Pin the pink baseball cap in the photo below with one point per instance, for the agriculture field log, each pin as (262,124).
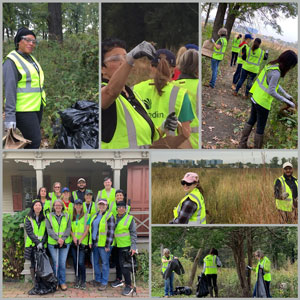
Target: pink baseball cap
(190,177)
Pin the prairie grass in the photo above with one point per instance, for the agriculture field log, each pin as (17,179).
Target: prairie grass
(232,196)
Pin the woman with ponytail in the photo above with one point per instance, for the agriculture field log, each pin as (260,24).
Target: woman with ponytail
(160,96)
(253,57)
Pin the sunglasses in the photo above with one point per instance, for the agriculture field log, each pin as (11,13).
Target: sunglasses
(183,182)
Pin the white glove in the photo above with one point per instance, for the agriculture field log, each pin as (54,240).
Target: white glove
(284,195)
(9,125)
(141,50)
(212,40)
(248,267)
(40,246)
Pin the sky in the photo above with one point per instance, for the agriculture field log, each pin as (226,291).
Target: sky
(228,156)
(289,27)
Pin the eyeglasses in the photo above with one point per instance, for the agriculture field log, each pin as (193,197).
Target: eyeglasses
(29,40)
(57,187)
(117,57)
(183,182)
(58,205)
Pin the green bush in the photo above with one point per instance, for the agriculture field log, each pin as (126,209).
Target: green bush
(143,266)
(13,244)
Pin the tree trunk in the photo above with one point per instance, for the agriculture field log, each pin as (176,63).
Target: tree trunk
(219,20)
(249,254)
(207,15)
(194,268)
(55,22)
(234,9)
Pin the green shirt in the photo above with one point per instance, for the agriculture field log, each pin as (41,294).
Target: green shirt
(186,113)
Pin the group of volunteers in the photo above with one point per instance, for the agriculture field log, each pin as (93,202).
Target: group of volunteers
(137,117)
(265,88)
(61,220)
(211,263)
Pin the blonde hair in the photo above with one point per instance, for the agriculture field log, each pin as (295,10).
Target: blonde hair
(166,251)
(180,52)
(259,253)
(188,63)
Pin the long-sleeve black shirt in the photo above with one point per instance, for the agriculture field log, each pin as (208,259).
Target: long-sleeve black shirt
(291,182)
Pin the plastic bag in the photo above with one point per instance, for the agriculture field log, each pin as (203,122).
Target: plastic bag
(182,290)
(43,267)
(80,126)
(261,291)
(202,286)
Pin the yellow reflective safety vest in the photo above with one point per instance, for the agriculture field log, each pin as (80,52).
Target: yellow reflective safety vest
(30,88)
(199,216)
(192,86)
(102,230)
(260,88)
(75,197)
(79,229)
(39,232)
(103,195)
(132,130)
(239,59)
(265,262)
(235,45)
(253,60)
(70,209)
(165,264)
(58,229)
(218,54)
(122,234)
(92,209)
(286,204)
(210,264)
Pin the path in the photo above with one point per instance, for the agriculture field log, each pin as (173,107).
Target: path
(20,289)
(223,115)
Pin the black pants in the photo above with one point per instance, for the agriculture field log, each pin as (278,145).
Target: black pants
(29,125)
(120,266)
(234,57)
(237,74)
(260,115)
(212,280)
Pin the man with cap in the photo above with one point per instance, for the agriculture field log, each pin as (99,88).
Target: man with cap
(23,80)
(80,193)
(125,238)
(100,240)
(286,194)
(108,193)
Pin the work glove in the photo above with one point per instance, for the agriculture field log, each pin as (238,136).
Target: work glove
(284,195)
(249,268)
(141,50)
(9,125)
(39,246)
(170,123)
(261,267)
(212,40)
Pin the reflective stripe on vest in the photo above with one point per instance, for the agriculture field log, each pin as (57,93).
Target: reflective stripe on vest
(59,233)
(285,204)
(165,265)
(219,54)
(75,196)
(76,229)
(39,232)
(122,234)
(252,66)
(210,264)
(235,45)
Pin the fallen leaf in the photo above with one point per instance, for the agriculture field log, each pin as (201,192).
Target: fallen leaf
(211,128)
(235,142)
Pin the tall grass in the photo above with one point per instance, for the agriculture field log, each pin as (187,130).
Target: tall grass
(232,196)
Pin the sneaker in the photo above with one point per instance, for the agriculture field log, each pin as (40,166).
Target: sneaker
(127,290)
(117,283)
(63,287)
(82,286)
(95,283)
(102,287)
(235,93)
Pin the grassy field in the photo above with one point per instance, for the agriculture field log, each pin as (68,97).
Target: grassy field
(228,281)
(232,196)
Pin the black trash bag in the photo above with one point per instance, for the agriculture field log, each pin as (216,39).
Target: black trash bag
(46,282)
(261,290)
(79,126)
(128,261)
(182,290)
(173,265)
(202,286)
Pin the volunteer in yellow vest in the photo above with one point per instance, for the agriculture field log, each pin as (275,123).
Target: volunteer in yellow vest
(108,193)
(89,207)
(79,231)
(264,264)
(24,88)
(35,227)
(218,54)
(191,208)
(286,195)
(125,238)
(161,97)
(56,193)
(65,197)
(253,57)
(243,47)
(210,269)
(235,49)
(264,90)
(100,240)
(80,192)
(166,258)
(58,224)
(189,79)
(120,197)
(45,200)
(125,122)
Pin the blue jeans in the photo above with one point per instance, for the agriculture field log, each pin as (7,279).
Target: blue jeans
(62,258)
(243,77)
(169,285)
(81,265)
(101,273)
(214,70)
(237,74)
